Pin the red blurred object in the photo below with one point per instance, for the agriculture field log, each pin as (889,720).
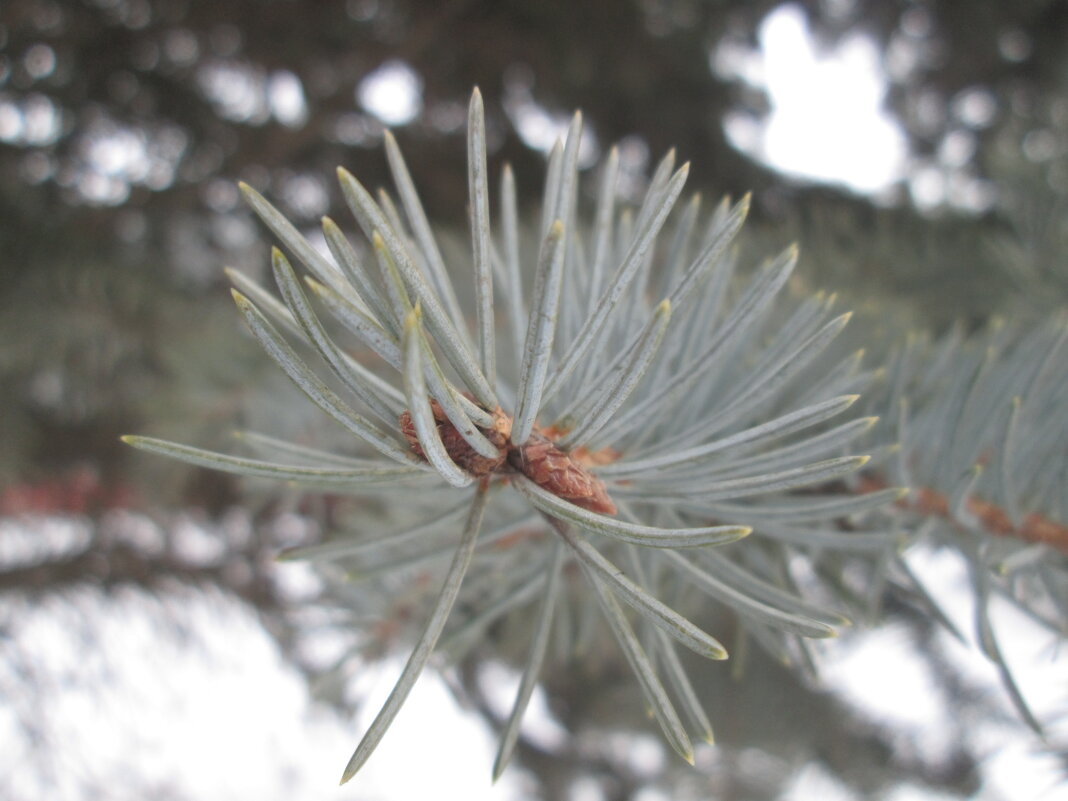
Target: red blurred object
(80,491)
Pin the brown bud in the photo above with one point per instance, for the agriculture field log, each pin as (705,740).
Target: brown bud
(552,469)
(459,451)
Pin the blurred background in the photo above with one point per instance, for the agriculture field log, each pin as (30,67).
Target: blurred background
(150,647)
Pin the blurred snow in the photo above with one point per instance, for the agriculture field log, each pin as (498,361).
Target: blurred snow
(185,696)
(500,684)
(883,673)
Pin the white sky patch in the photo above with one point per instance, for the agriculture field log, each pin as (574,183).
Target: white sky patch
(827,122)
(306,195)
(393,93)
(235,89)
(39,61)
(112,158)
(34,120)
(540,128)
(285,96)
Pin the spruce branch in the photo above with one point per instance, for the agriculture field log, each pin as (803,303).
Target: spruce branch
(616,427)
(991,518)
(983,438)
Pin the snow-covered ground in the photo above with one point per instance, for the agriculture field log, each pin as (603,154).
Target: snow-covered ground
(184,695)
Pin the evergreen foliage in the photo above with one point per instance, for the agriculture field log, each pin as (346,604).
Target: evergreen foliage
(629,398)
